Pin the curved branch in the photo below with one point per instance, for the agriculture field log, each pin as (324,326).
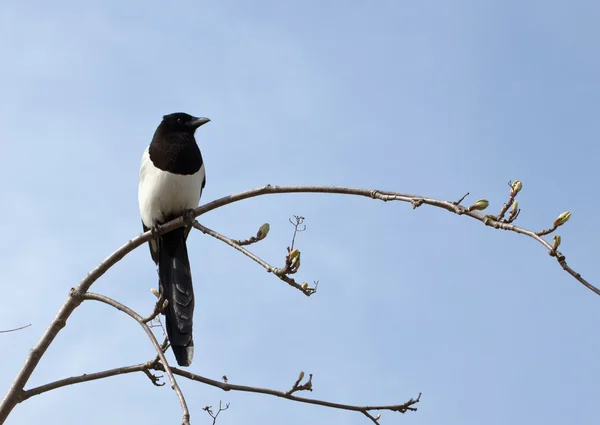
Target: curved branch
(85,378)
(155,365)
(415,200)
(16,389)
(159,351)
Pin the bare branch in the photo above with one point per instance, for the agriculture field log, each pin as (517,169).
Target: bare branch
(553,253)
(225,386)
(208,409)
(244,242)
(402,408)
(507,205)
(561,260)
(143,367)
(299,222)
(280,273)
(375,420)
(546,231)
(15,329)
(159,350)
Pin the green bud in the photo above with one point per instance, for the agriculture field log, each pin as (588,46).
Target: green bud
(556,240)
(155,292)
(294,254)
(263,231)
(304,286)
(515,207)
(296,261)
(517,186)
(562,219)
(301,376)
(480,205)
(378,416)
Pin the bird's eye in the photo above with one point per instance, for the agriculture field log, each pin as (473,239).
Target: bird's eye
(179,120)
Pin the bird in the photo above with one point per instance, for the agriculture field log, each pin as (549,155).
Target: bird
(172,177)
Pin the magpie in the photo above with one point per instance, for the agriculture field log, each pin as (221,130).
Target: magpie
(172,177)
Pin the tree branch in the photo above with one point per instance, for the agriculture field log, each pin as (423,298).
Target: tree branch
(85,378)
(415,200)
(156,365)
(159,351)
(225,386)
(15,391)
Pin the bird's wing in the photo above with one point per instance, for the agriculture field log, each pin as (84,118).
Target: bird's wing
(152,244)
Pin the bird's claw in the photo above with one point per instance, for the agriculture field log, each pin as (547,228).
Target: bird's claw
(188,217)
(155,231)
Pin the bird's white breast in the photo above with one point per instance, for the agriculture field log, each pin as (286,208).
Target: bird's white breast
(162,194)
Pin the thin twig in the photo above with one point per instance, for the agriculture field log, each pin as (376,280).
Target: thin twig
(245,242)
(461,199)
(507,205)
(15,329)
(299,221)
(214,416)
(546,231)
(262,233)
(368,415)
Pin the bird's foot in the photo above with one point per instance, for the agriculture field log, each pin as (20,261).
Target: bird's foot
(189,216)
(155,231)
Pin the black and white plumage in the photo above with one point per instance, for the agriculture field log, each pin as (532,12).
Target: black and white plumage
(172,177)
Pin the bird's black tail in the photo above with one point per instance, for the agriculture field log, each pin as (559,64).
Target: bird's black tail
(176,279)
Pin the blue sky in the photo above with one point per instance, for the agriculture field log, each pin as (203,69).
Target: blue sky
(435,98)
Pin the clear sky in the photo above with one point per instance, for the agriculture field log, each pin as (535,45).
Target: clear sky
(435,98)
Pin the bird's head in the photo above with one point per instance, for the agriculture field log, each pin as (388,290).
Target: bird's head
(180,121)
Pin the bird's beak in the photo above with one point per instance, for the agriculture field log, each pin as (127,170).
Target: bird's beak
(197,122)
